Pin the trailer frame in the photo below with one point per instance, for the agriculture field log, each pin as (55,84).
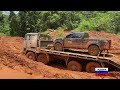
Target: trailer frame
(67,55)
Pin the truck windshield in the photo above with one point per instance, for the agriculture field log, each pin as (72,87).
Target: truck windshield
(44,37)
(33,37)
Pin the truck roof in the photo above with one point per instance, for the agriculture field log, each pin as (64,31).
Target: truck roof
(78,32)
(31,33)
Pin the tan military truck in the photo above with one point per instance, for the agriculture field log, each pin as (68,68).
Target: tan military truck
(81,40)
(36,40)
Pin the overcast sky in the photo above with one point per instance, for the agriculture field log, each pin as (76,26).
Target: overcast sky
(8,12)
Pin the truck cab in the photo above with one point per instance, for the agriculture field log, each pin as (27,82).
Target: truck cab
(36,40)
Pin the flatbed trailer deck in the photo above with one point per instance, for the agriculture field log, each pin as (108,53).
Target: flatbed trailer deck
(47,55)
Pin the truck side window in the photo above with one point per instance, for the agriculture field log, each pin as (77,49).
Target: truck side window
(28,37)
(72,36)
(69,36)
(33,37)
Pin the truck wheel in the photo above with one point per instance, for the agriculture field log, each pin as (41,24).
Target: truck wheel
(58,47)
(74,66)
(43,58)
(90,67)
(31,56)
(93,50)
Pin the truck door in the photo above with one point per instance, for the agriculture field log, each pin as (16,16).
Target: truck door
(27,41)
(85,41)
(33,40)
(78,40)
(69,41)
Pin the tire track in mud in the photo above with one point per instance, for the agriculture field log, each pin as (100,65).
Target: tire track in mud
(21,63)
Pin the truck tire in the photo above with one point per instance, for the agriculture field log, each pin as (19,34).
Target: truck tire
(90,67)
(58,47)
(93,50)
(43,58)
(74,66)
(31,56)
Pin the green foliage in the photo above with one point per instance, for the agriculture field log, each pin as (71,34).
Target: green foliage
(27,22)
(14,24)
(2,34)
(99,22)
(4,24)
(39,21)
(46,33)
(114,25)
(60,35)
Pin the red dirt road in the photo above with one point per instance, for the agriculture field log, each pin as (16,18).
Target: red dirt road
(8,73)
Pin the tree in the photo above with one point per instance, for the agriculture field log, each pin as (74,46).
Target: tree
(40,21)
(1,21)
(28,22)
(114,25)
(14,24)
(4,24)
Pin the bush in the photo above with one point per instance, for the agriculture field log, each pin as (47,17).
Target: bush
(60,35)
(2,34)
(100,22)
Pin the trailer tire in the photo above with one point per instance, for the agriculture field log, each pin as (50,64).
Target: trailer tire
(31,56)
(43,58)
(74,66)
(90,67)
(58,47)
(93,50)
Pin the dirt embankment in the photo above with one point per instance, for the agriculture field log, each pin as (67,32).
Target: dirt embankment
(13,61)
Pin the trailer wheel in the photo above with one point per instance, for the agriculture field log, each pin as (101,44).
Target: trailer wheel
(93,50)
(31,56)
(58,47)
(90,67)
(74,66)
(43,58)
